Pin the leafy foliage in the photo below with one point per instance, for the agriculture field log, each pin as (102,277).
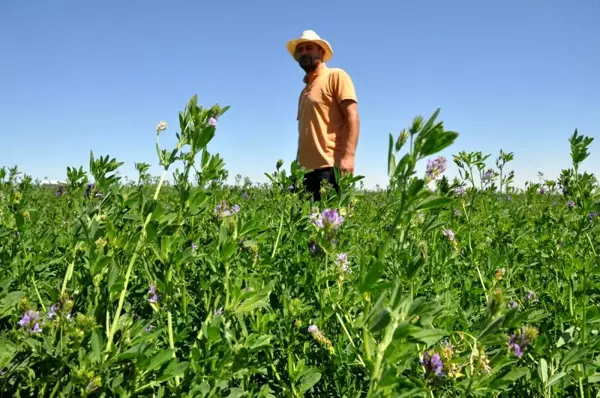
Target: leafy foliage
(430,288)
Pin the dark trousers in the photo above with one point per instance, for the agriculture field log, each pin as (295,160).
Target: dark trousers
(312,181)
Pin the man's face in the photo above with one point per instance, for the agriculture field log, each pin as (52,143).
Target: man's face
(309,56)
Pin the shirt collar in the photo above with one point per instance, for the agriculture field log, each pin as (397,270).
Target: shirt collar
(310,77)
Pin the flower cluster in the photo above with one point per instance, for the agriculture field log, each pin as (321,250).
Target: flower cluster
(531,297)
(153,299)
(518,342)
(448,233)
(53,311)
(342,262)
(435,168)
(433,364)
(320,338)
(161,126)
(329,220)
(222,210)
(488,176)
(30,321)
(460,191)
(64,306)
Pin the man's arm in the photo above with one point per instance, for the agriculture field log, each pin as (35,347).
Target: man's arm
(345,94)
(352,121)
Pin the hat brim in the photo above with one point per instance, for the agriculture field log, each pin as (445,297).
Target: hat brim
(292,44)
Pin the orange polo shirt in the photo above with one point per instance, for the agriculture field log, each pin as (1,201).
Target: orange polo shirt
(321,126)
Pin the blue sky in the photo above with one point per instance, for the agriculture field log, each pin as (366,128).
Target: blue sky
(77,76)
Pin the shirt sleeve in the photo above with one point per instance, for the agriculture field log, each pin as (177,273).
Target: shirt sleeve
(343,87)
(299,103)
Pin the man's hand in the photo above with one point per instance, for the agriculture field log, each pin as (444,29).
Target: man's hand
(350,141)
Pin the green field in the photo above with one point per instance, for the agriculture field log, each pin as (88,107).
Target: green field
(458,287)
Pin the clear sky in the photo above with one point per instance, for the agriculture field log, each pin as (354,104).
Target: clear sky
(77,76)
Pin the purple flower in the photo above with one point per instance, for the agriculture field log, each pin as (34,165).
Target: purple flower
(436,167)
(457,213)
(329,220)
(513,344)
(571,204)
(52,313)
(313,329)
(530,296)
(432,364)
(541,190)
(223,210)
(488,176)
(245,195)
(518,342)
(592,216)
(152,293)
(459,191)
(332,218)
(194,247)
(149,328)
(212,121)
(28,317)
(30,320)
(219,311)
(513,304)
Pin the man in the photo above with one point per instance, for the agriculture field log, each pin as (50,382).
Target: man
(328,122)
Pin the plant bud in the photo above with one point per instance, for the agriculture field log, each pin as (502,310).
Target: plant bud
(24,304)
(402,138)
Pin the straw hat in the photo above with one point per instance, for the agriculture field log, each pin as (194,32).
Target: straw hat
(310,36)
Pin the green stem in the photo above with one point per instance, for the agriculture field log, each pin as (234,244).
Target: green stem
(38,294)
(172,341)
(226,286)
(349,338)
(70,269)
(140,242)
(55,390)
(278,235)
(382,347)
(481,279)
